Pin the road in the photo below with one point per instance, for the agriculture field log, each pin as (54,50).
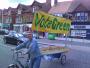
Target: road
(77,57)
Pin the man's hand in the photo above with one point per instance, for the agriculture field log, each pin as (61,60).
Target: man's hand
(24,51)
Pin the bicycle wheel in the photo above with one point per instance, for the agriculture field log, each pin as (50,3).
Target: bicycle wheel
(13,66)
(63,59)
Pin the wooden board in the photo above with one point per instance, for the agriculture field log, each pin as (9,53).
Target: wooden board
(53,50)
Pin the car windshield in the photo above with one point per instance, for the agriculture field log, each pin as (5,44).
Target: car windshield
(18,35)
(11,33)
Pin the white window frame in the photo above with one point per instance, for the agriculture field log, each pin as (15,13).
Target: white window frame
(80,15)
(34,8)
(19,11)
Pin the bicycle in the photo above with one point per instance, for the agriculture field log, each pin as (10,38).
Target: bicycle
(16,57)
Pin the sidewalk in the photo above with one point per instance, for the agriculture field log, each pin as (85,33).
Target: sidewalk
(74,39)
(71,39)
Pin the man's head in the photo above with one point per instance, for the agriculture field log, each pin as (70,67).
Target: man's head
(29,34)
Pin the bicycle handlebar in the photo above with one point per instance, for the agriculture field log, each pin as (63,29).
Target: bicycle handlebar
(18,53)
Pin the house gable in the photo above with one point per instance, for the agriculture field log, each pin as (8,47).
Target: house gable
(80,7)
(41,6)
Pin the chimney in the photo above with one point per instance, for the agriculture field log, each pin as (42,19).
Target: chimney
(55,2)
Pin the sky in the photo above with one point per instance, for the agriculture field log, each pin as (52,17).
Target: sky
(4,4)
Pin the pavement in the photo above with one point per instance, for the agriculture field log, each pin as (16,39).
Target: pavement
(61,42)
(71,39)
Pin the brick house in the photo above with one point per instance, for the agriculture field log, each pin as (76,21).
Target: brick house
(25,14)
(7,17)
(4,16)
(80,12)
(23,17)
(81,19)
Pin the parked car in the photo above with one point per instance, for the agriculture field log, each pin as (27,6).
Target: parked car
(14,38)
(35,35)
(3,31)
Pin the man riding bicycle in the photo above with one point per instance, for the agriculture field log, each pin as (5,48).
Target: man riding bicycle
(33,50)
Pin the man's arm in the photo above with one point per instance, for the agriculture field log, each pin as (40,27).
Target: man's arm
(20,46)
(32,47)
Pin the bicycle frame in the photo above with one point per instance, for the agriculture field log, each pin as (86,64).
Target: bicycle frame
(17,63)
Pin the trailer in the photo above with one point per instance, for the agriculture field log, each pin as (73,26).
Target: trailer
(54,52)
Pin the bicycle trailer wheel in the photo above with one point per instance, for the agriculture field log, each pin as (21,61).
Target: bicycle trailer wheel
(63,59)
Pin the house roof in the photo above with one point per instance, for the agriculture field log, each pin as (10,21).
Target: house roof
(24,8)
(36,3)
(69,6)
(13,10)
(43,6)
(86,3)
(73,6)
(61,7)
(5,11)
(21,6)
(28,8)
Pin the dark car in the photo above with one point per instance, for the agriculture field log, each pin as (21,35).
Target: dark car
(4,31)
(14,38)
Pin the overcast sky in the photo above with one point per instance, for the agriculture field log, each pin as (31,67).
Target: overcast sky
(14,3)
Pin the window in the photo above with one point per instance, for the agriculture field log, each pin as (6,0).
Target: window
(9,12)
(18,19)
(17,28)
(79,33)
(10,19)
(78,18)
(34,8)
(86,16)
(0,20)
(78,14)
(19,11)
(81,16)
